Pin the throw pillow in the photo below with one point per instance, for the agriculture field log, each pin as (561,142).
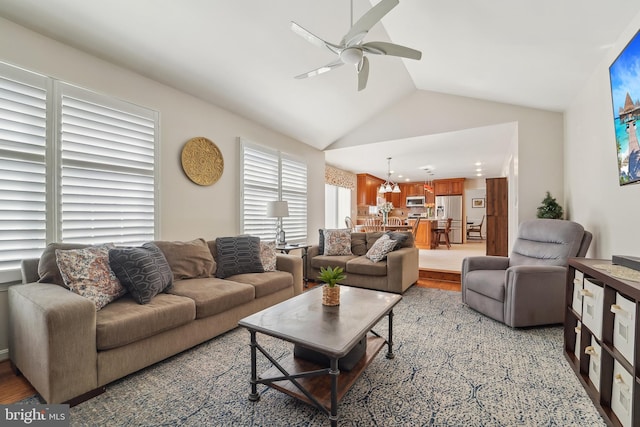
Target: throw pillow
(321,241)
(188,260)
(399,237)
(87,273)
(268,255)
(337,242)
(143,271)
(381,248)
(48,270)
(238,255)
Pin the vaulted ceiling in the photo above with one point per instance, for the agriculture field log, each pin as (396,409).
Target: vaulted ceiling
(242,55)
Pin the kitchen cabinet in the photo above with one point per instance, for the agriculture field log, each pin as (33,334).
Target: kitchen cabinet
(424,233)
(601,338)
(497,216)
(448,187)
(414,189)
(367,189)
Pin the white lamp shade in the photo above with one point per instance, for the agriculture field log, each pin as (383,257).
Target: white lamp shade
(277,209)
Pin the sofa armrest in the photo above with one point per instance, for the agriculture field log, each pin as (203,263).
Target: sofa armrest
(291,264)
(530,287)
(402,269)
(52,340)
(29,270)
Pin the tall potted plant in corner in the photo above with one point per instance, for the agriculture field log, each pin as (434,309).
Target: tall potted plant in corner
(331,291)
(550,208)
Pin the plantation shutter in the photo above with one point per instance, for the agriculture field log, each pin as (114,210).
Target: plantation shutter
(23,106)
(268,175)
(107,181)
(294,191)
(259,172)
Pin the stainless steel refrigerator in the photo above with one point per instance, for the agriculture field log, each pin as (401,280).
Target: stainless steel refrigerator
(451,207)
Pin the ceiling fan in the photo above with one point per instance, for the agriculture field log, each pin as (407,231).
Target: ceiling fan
(351,50)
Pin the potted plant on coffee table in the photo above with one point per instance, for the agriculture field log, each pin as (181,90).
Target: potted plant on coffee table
(331,291)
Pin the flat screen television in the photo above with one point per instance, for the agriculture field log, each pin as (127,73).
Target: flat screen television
(624,75)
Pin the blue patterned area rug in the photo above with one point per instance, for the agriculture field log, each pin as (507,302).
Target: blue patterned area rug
(453,367)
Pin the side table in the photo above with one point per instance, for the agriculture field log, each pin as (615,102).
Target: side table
(285,249)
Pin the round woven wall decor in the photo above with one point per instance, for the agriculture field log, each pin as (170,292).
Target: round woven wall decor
(202,161)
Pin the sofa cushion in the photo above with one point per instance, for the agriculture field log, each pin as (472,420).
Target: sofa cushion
(363,265)
(490,283)
(381,248)
(331,261)
(143,271)
(359,243)
(48,270)
(265,283)
(268,255)
(337,242)
(238,255)
(213,295)
(87,273)
(125,321)
(188,260)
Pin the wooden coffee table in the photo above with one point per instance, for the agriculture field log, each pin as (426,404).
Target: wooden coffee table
(333,331)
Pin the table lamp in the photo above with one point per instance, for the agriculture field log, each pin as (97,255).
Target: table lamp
(278,209)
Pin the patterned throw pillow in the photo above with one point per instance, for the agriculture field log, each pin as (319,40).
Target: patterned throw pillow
(238,255)
(268,255)
(381,248)
(87,273)
(337,242)
(143,271)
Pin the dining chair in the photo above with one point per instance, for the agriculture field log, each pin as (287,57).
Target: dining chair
(414,230)
(373,224)
(440,232)
(475,228)
(349,222)
(394,220)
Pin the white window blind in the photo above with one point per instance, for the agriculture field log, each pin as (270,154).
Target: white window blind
(75,166)
(294,191)
(107,170)
(23,115)
(268,175)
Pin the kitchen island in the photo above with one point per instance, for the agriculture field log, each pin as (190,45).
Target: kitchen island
(424,235)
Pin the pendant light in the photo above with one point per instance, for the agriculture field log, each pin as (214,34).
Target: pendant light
(389,186)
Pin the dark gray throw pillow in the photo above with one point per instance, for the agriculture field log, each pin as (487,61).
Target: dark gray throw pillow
(238,255)
(321,241)
(143,271)
(399,237)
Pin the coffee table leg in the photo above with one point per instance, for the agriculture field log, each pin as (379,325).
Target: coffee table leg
(334,372)
(254,396)
(390,354)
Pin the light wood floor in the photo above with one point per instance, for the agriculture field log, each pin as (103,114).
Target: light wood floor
(14,388)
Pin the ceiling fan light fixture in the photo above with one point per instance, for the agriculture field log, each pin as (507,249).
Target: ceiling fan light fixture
(351,55)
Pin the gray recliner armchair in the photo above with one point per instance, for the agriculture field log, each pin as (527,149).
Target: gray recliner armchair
(527,288)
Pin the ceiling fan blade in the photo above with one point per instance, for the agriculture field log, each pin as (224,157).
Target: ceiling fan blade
(391,49)
(325,68)
(368,20)
(313,39)
(363,73)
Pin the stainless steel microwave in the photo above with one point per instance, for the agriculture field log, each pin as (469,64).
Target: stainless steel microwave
(415,201)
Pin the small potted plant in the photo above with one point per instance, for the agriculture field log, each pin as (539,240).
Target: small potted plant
(331,291)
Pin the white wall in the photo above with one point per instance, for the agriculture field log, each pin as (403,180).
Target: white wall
(593,196)
(186,210)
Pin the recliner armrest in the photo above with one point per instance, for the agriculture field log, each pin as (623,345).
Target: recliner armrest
(529,287)
(484,263)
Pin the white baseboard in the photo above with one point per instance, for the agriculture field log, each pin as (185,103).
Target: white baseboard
(4,354)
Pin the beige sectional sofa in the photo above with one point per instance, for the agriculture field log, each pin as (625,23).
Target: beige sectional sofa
(394,274)
(69,351)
